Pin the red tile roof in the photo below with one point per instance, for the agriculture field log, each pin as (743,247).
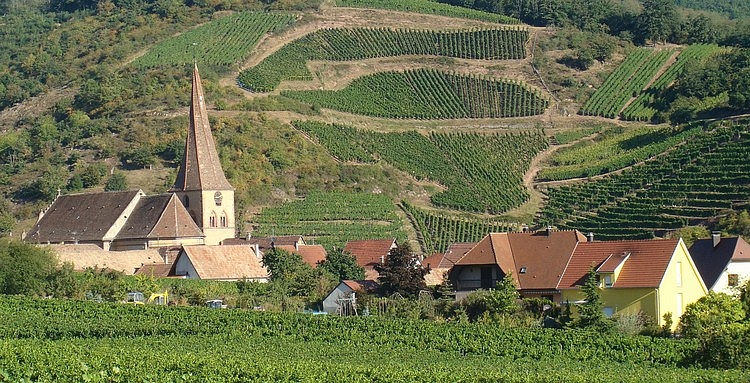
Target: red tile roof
(311,254)
(369,252)
(159,216)
(225,262)
(645,267)
(535,260)
(155,269)
(366,285)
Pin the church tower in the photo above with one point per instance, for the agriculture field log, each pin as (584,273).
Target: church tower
(201,184)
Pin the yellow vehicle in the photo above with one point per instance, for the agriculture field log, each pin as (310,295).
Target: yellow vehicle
(137,298)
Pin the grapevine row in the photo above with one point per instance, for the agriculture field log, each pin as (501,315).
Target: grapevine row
(288,63)
(429,7)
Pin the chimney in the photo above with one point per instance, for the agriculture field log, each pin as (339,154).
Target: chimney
(590,236)
(549,230)
(715,238)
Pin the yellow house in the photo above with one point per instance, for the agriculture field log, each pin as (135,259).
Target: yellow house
(653,277)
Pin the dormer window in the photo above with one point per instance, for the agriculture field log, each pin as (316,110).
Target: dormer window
(522,270)
(607,280)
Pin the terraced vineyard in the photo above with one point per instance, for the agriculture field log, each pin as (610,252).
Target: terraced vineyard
(289,62)
(428,7)
(702,178)
(219,43)
(615,152)
(628,80)
(437,231)
(482,172)
(428,94)
(331,219)
(642,108)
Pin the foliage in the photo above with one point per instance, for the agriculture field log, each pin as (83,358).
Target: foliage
(709,313)
(25,268)
(437,231)
(590,313)
(401,273)
(428,94)
(657,19)
(105,341)
(503,300)
(342,265)
(222,42)
(289,62)
(460,154)
(428,7)
(332,219)
(627,80)
(686,185)
(116,182)
(293,277)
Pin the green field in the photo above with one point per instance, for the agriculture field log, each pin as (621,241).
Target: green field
(704,177)
(221,42)
(428,7)
(56,340)
(331,219)
(342,44)
(482,172)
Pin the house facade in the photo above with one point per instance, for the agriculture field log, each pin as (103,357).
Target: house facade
(342,300)
(723,263)
(535,261)
(653,277)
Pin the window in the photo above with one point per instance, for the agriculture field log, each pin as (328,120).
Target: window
(607,280)
(223,220)
(212,220)
(678,271)
(734,280)
(522,271)
(608,311)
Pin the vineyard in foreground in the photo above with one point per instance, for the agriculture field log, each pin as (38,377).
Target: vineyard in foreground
(332,219)
(482,172)
(222,42)
(289,63)
(700,179)
(115,342)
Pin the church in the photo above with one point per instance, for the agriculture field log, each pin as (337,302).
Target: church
(197,210)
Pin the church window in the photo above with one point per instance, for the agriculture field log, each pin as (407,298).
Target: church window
(223,220)
(212,220)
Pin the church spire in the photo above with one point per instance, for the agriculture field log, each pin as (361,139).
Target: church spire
(200,169)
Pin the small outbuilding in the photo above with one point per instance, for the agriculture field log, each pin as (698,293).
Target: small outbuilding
(342,300)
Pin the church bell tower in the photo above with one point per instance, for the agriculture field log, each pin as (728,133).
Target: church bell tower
(201,184)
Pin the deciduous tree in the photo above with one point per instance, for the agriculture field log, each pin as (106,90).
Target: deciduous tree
(401,273)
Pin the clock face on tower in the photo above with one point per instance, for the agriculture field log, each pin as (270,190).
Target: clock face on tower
(217,198)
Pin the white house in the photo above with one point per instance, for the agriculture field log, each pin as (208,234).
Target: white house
(342,299)
(724,263)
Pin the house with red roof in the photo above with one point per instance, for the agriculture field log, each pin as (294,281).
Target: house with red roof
(222,263)
(653,277)
(369,253)
(724,263)
(342,300)
(311,254)
(439,264)
(535,261)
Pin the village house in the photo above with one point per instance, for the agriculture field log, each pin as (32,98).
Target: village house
(535,261)
(653,277)
(342,300)
(439,264)
(723,263)
(369,253)
(221,263)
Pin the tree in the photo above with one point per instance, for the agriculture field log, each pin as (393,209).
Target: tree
(342,265)
(736,223)
(401,273)
(657,19)
(116,182)
(708,314)
(24,268)
(501,300)
(591,315)
(293,276)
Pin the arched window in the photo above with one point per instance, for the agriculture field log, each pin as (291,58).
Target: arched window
(212,220)
(223,220)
